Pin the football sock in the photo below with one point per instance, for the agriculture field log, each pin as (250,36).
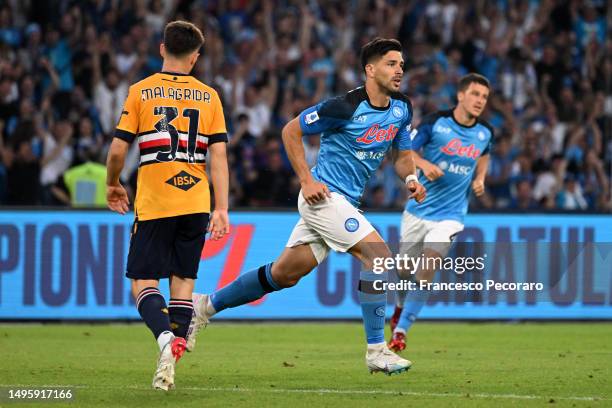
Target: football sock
(246,288)
(181,311)
(163,339)
(412,307)
(373,304)
(152,308)
(400,298)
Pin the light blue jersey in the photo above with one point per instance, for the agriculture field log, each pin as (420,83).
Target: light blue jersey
(355,136)
(455,149)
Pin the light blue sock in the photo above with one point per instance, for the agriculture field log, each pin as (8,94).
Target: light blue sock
(412,307)
(246,288)
(373,304)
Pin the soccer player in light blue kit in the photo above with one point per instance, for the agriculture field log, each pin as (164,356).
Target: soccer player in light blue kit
(357,130)
(455,153)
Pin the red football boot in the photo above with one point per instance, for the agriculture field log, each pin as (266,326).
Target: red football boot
(398,342)
(178,347)
(395,318)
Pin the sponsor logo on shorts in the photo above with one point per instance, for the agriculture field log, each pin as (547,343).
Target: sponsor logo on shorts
(351,225)
(183,180)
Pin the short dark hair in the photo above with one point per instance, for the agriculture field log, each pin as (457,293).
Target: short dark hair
(182,38)
(471,78)
(377,48)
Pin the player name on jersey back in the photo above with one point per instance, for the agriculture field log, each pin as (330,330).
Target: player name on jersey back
(178,94)
(174,118)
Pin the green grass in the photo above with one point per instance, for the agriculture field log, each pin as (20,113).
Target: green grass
(284,364)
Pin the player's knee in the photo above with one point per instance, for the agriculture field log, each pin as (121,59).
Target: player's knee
(289,281)
(284,278)
(281,276)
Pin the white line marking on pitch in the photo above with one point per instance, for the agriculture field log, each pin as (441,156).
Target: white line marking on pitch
(327,391)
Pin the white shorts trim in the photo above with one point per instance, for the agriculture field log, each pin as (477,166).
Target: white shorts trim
(331,224)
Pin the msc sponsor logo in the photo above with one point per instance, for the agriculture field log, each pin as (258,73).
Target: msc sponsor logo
(442,129)
(183,180)
(454,168)
(455,148)
(365,155)
(376,134)
(457,169)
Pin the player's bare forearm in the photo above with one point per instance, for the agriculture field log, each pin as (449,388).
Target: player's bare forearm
(419,161)
(404,167)
(292,139)
(116,196)
(313,191)
(219,174)
(405,164)
(482,166)
(115,161)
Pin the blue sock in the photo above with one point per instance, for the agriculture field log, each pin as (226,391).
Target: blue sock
(412,307)
(246,288)
(373,304)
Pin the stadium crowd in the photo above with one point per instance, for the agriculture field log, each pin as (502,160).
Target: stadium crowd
(65,68)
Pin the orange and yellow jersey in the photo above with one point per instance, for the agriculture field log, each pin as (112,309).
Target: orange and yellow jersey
(174,118)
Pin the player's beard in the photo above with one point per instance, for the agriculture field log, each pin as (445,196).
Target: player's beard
(386,86)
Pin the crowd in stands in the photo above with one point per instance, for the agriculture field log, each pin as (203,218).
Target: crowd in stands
(65,68)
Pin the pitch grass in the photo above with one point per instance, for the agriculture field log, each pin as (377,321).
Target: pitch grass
(316,365)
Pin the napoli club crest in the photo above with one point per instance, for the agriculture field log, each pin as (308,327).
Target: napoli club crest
(351,225)
(397,112)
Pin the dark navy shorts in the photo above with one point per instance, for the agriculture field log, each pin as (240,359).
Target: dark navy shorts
(167,246)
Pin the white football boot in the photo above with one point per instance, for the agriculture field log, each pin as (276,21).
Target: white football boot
(199,319)
(380,359)
(170,354)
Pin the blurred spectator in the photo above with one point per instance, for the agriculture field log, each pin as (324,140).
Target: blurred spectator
(524,198)
(57,157)
(22,169)
(86,185)
(500,167)
(571,197)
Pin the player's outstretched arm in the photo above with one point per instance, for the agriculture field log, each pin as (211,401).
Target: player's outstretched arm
(312,190)
(116,196)
(482,165)
(219,220)
(406,169)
